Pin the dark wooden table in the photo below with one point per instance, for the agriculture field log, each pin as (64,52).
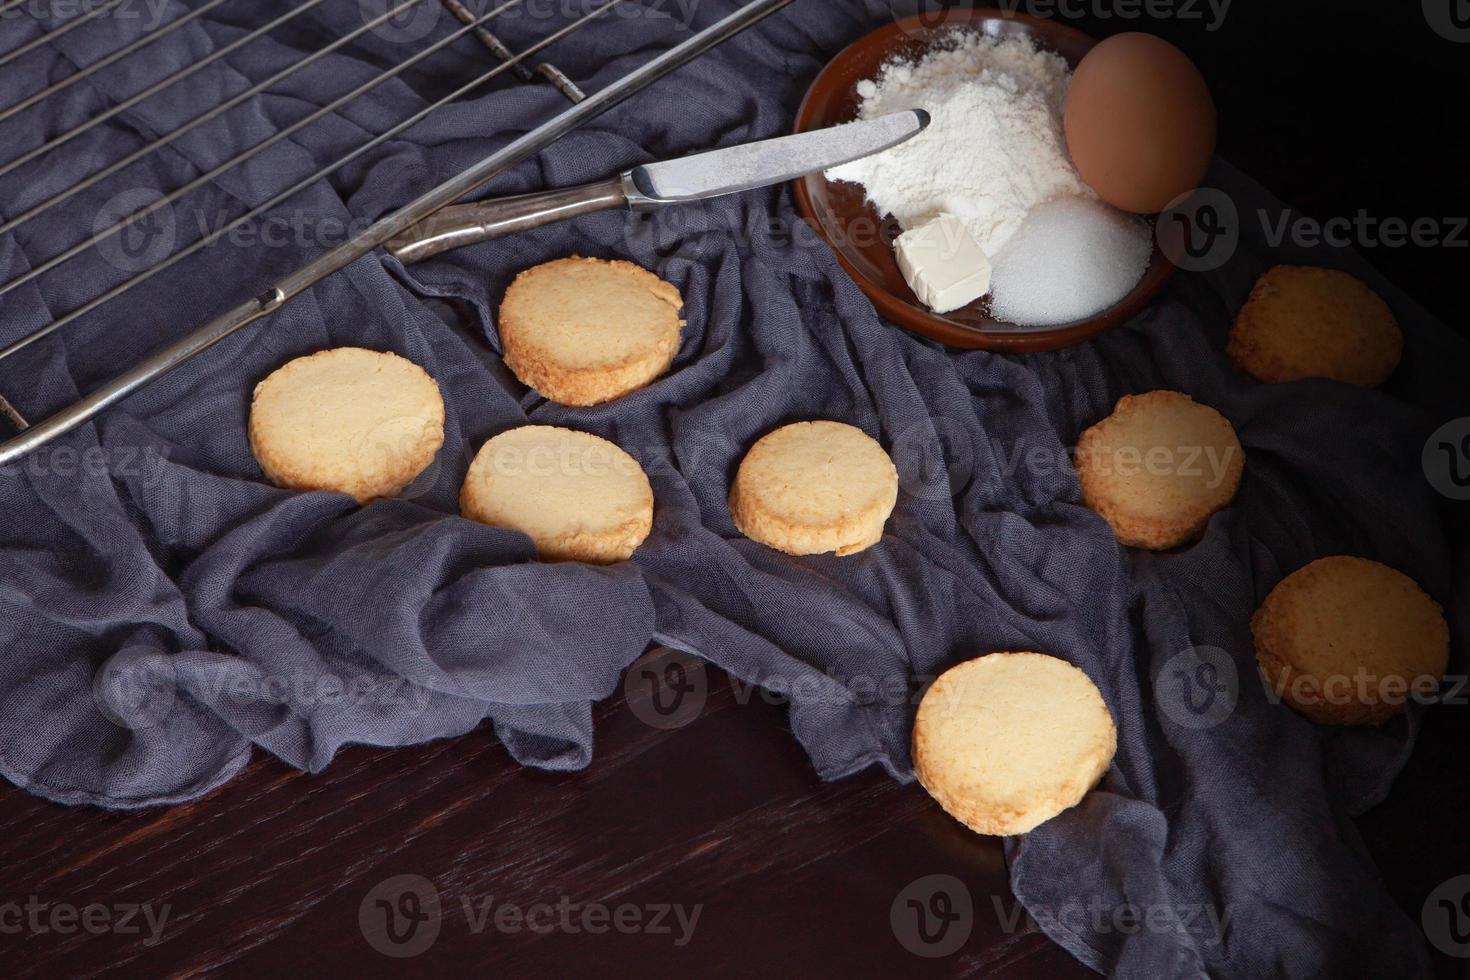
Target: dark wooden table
(522,873)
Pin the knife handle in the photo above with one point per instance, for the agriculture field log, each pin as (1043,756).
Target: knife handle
(466,224)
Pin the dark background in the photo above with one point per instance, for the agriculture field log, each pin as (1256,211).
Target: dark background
(1338,107)
(1335,107)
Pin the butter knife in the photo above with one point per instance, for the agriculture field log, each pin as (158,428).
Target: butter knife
(654,185)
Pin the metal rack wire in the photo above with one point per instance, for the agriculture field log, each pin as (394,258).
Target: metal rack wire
(523,64)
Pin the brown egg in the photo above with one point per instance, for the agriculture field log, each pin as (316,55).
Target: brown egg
(1140,122)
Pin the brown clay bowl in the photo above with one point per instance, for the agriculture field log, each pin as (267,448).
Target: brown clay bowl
(863,239)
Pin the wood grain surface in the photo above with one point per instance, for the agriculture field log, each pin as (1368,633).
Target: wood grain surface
(281,873)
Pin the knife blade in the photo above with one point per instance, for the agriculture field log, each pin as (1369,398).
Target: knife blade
(773,161)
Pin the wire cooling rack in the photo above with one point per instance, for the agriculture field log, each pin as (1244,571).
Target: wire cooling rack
(474,27)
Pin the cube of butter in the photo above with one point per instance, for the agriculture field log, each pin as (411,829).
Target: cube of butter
(943,264)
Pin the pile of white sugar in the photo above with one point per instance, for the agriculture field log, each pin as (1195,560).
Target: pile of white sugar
(1071,258)
(994,148)
(993,152)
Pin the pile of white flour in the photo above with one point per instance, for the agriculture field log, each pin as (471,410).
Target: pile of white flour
(994,148)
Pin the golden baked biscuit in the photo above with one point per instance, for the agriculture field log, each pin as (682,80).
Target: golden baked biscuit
(1347,641)
(814,487)
(360,422)
(1305,322)
(577,496)
(1010,740)
(1159,467)
(586,331)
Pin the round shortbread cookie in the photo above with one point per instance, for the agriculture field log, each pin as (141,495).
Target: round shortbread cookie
(585,331)
(1305,322)
(1158,468)
(361,422)
(1347,641)
(577,496)
(814,487)
(1009,740)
